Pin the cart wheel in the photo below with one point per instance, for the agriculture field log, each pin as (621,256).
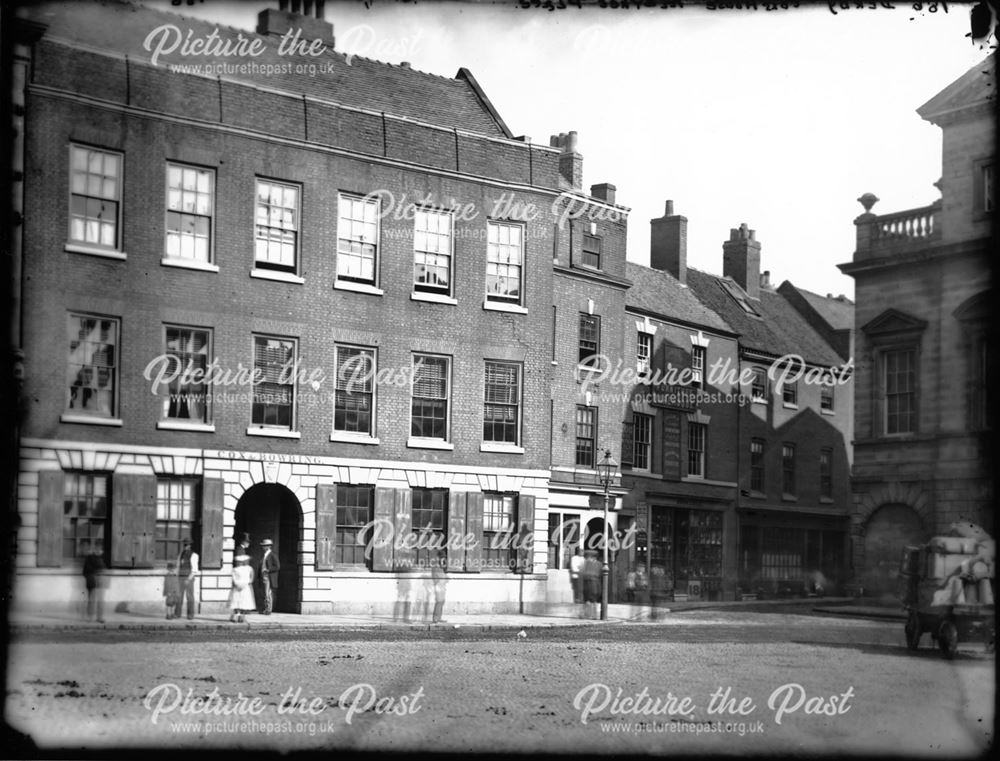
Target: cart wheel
(948,639)
(912,629)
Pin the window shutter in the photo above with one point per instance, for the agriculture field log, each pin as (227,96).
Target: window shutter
(456,530)
(212,498)
(51,492)
(326,526)
(402,557)
(628,442)
(474,526)
(145,522)
(525,534)
(385,508)
(671,445)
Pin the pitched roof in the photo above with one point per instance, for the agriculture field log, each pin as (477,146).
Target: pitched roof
(121,27)
(778,330)
(838,311)
(974,88)
(658,292)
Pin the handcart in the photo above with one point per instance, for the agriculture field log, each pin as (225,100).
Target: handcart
(927,578)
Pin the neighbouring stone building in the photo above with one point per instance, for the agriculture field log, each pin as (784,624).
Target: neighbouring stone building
(923,439)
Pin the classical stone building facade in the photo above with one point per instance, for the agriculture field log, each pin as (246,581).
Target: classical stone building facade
(922,396)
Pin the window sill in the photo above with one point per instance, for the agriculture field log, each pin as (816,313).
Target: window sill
(826,500)
(188,264)
(492,446)
(788,406)
(433,298)
(278,433)
(757,495)
(500,306)
(789,498)
(353,438)
(417,443)
(689,477)
(104,253)
(179,425)
(831,413)
(281,277)
(754,400)
(90,420)
(347,285)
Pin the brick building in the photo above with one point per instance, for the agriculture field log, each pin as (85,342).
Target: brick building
(922,432)
(376,325)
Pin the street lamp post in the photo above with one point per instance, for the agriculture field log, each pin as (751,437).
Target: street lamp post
(605,471)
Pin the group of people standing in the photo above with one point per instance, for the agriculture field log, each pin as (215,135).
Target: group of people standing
(179,583)
(585,577)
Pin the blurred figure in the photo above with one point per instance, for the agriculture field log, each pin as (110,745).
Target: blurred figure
(401,611)
(241,599)
(172,591)
(576,564)
(657,591)
(630,586)
(591,583)
(93,569)
(439,576)
(187,572)
(641,585)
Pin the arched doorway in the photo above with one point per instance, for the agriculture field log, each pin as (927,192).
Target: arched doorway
(271,511)
(890,528)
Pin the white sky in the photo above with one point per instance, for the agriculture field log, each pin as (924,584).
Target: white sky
(779,119)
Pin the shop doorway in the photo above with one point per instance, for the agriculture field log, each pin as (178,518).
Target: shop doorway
(271,511)
(890,528)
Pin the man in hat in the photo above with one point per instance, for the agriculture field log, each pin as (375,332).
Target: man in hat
(267,572)
(187,571)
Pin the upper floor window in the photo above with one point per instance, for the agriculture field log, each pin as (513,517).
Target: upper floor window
(502,403)
(274,392)
(504,262)
(591,251)
(95,197)
(176,515)
(759,386)
(188,350)
(899,389)
(826,397)
(430,397)
(92,365)
(190,210)
(643,352)
(642,441)
(432,251)
(276,231)
(697,366)
(354,395)
(788,469)
(757,465)
(586,435)
(697,438)
(357,239)
(826,473)
(790,393)
(590,339)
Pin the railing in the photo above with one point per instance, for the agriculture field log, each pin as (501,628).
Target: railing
(884,234)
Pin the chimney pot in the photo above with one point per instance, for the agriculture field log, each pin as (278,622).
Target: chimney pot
(668,209)
(741,259)
(404,64)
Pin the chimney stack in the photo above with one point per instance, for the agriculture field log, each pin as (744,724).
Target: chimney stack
(668,243)
(605,192)
(570,161)
(765,280)
(741,259)
(303,15)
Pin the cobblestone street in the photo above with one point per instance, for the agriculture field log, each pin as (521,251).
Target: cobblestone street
(553,690)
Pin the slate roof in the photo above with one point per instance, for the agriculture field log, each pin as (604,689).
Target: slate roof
(121,27)
(839,314)
(974,87)
(659,292)
(779,330)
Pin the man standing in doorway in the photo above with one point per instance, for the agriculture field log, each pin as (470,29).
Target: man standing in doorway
(187,571)
(268,574)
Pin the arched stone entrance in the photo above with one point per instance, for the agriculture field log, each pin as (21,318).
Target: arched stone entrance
(271,511)
(889,529)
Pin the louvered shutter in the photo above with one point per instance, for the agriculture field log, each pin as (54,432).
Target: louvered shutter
(474,526)
(525,534)
(326,526)
(51,493)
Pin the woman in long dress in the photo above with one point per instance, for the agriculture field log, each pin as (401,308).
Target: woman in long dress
(241,599)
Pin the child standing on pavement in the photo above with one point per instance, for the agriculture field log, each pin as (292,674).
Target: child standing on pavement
(241,598)
(172,591)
